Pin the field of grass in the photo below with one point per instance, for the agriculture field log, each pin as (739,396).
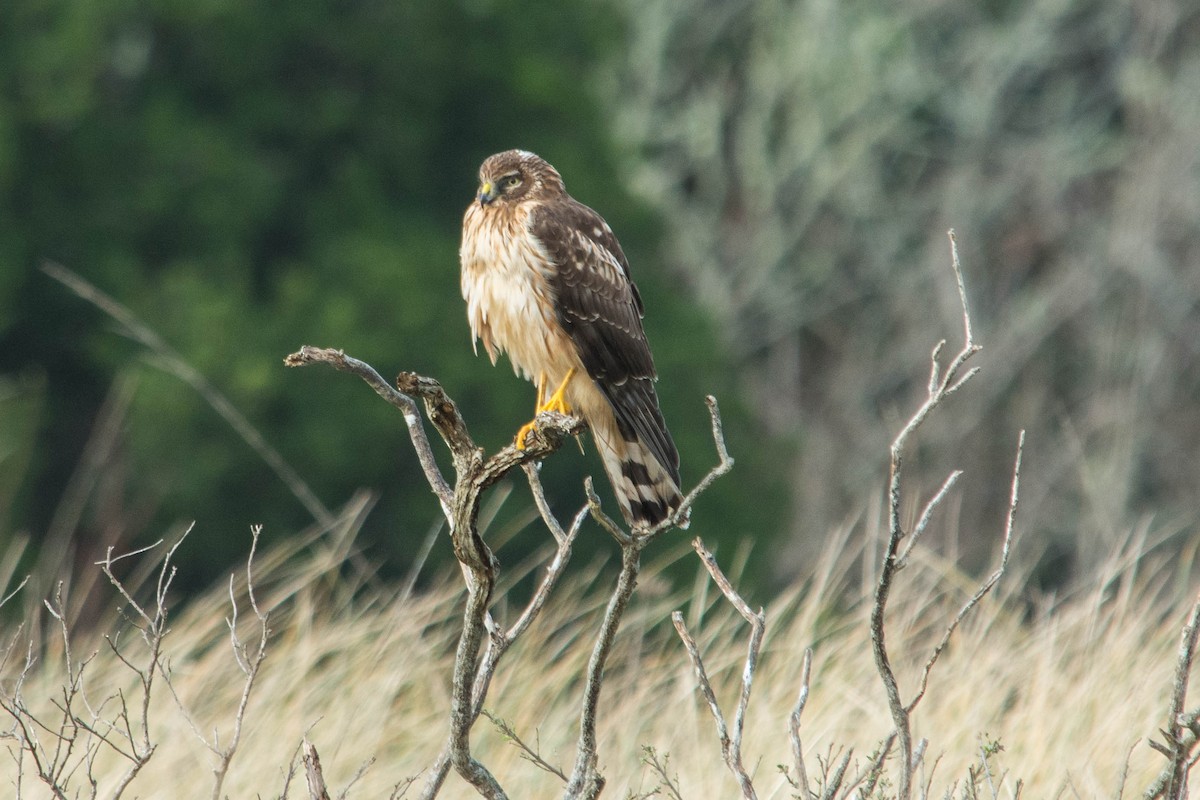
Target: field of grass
(1056,696)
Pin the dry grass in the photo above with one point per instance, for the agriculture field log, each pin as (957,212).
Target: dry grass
(1070,688)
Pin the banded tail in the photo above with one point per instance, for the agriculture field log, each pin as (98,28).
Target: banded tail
(638,455)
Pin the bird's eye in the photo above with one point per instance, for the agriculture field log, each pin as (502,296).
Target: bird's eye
(509,181)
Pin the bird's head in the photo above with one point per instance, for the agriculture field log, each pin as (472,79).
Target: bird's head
(516,175)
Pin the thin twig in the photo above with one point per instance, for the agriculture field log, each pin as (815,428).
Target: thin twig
(412,417)
(586,783)
(941,385)
(794,725)
(1171,783)
(250,666)
(531,754)
(986,586)
(731,744)
(682,515)
(926,515)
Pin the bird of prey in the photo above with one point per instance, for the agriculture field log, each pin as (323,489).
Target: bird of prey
(547,283)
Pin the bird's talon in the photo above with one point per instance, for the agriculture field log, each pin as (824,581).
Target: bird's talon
(524,431)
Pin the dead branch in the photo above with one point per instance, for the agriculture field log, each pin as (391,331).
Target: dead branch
(65,746)
(314,776)
(941,385)
(1182,733)
(586,782)
(412,417)
(731,744)
(474,474)
(794,726)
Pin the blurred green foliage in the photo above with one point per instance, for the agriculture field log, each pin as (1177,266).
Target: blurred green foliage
(248,178)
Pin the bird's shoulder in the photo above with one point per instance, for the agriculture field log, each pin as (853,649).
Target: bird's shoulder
(584,248)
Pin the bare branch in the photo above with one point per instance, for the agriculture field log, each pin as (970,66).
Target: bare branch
(605,521)
(586,782)
(475,474)
(942,384)
(731,745)
(984,588)
(313,773)
(794,725)
(412,417)
(1180,735)
(250,665)
(531,754)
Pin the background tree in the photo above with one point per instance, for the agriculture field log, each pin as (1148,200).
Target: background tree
(808,156)
(244,178)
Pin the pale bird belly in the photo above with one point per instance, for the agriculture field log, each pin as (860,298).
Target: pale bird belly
(511,311)
(510,308)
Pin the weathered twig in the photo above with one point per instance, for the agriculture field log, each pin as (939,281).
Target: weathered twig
(731,744)
(314,776)
(586,782)
(724,463)
(474,474)
(1183,731)
(794,726)
(941,385)
(412,416)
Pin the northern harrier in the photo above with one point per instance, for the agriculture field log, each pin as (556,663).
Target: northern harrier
(546,282)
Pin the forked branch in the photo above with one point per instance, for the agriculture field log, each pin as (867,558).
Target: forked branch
(1181,737)
(731,743)
(474,474)
(942,384)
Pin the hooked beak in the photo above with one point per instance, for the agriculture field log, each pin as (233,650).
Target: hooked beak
(487,193)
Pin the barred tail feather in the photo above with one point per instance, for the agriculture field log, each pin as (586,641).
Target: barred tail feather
(646,491)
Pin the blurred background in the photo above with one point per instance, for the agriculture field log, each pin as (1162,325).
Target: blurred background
(249,177)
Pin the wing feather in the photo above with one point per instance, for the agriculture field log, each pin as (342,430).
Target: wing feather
(599,307)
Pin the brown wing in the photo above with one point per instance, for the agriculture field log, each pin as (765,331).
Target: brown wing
(598,306)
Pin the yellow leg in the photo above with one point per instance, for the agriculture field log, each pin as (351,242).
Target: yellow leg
(556,402)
